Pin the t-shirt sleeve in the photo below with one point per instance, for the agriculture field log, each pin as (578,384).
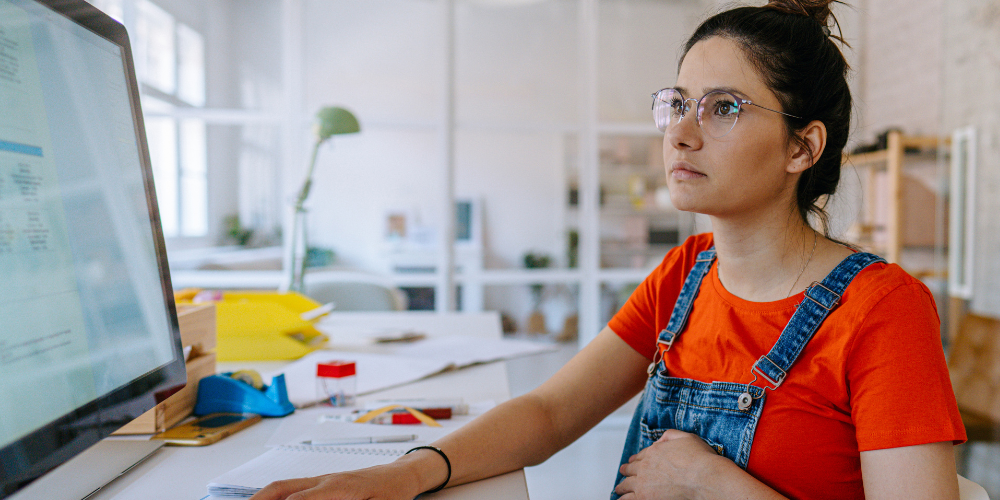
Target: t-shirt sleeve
(648,309)
(900,391)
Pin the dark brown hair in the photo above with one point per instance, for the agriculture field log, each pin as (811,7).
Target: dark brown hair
(789,42)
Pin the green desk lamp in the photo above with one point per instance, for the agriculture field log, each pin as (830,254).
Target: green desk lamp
(330,121)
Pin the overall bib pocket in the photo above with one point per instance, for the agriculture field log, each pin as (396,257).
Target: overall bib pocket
(710,411)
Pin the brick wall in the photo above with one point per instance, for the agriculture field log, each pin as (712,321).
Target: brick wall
(900,69)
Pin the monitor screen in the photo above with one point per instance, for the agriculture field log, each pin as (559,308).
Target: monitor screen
(88,329)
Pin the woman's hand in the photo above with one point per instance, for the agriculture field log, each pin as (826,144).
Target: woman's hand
(386,482)
(676,466)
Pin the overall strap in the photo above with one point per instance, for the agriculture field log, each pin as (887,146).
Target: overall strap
(820,299)
(682,308)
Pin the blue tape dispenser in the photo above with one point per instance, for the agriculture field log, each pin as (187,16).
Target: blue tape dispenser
(237,393)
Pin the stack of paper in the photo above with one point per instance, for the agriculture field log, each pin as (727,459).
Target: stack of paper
(461,351)
(374,372)
(407,363)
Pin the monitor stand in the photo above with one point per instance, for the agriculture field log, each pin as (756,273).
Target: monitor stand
(89,471)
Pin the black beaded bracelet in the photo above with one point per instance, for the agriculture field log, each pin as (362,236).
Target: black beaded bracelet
(446,461)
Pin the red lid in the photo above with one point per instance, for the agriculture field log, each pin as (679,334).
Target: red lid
(335,369)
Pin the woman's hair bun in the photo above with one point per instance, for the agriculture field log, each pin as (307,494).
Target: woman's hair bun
(816,9)
(820,10)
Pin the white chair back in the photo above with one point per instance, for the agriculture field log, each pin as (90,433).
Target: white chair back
(968,490)
(354,291)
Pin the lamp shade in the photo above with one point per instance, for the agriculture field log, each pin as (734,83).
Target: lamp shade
(333,121)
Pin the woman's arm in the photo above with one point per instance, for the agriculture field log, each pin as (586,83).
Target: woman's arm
(924,471)
(521,432)
(529,429)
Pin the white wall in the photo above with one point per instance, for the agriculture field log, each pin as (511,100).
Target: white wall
(380,59)
(971,70)
(640,43)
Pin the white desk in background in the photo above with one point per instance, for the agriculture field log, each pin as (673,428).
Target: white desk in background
(183,473)
(485,325)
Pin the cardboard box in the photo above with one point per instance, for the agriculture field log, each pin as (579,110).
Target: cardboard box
(974,363)
(197,325)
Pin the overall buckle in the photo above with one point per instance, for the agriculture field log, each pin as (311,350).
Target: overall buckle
(835,294)
(755,370)
(746,398)
(658,355)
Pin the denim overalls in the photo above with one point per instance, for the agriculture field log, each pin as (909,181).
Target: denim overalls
(725,414)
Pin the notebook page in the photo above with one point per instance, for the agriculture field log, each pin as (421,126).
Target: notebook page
(307,427)
(286,462)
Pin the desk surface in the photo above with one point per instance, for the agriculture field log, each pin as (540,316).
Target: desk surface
(182,473)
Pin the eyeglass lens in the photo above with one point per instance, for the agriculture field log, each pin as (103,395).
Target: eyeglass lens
(717,111)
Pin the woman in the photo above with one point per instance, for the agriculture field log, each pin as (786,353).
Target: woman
(762,385)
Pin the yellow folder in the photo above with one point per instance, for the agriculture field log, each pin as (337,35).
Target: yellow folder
(262,326)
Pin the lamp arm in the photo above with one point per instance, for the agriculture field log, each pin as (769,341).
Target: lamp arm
(307,184)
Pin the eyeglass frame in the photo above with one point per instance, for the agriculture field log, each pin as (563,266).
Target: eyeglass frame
(685,109)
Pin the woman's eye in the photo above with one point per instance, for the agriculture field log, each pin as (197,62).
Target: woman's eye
(723,108)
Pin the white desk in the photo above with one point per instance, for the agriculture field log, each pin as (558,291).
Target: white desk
(182,473)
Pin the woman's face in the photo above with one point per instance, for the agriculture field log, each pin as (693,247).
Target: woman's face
(743,172)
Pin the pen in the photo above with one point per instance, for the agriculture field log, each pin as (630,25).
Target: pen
(455,404)
(361,440)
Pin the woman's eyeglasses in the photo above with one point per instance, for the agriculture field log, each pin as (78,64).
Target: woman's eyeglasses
(718,110)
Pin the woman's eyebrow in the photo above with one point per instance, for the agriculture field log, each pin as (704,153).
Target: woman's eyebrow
(731,90)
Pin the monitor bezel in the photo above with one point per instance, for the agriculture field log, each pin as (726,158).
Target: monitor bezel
(56,442)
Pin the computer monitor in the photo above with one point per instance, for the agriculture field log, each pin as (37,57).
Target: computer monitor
(88,327)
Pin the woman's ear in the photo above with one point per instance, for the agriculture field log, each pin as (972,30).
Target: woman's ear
(805,152)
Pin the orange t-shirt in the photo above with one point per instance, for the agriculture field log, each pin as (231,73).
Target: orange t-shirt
(873,377)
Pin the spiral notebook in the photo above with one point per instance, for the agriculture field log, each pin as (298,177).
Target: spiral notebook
(286,462)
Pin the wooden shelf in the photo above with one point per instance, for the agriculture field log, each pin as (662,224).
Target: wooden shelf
(891,160)
(863,159)
(880,158)
(925,141)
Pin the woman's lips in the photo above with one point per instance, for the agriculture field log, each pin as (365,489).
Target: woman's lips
(684,171)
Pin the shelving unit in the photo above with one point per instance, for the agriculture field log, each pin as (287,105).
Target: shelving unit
(610,255)
(893,234)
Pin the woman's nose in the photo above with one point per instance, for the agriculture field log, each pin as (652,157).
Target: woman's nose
(686,133)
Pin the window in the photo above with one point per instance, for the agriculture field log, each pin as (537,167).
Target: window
(170,65)
(161,134)
(193,177)
(113,8)
(190,66)
(170,44)
(155,47)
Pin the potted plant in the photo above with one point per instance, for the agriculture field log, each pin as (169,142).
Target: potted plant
(536,321)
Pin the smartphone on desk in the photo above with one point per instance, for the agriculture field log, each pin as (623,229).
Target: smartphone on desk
(207,429)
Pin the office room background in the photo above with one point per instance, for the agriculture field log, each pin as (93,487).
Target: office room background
(533,118)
